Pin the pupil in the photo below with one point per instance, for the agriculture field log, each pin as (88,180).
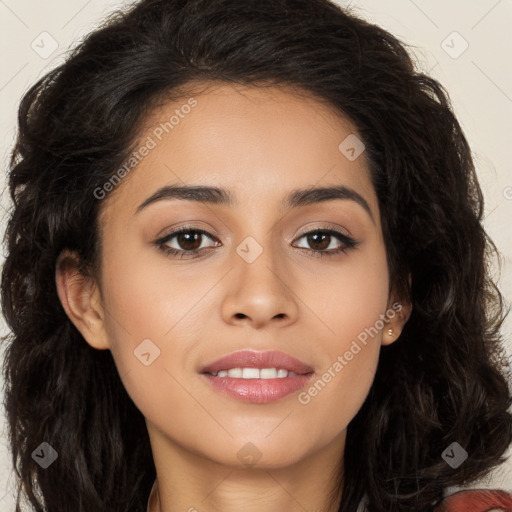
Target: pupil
(185,239)
(312,242)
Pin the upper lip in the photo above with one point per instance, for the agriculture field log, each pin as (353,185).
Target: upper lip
(254,359)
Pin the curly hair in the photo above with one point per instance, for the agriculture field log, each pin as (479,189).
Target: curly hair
(444,380)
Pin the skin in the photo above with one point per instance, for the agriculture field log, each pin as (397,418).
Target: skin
(260,143)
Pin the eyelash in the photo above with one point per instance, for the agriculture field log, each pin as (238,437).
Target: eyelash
(348,243)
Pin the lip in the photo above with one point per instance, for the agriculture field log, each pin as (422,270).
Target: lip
(258,391)
(254,359)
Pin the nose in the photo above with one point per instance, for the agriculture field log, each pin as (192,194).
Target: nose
(260,292)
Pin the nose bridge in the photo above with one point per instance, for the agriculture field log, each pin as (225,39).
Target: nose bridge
(259,263)
(259,291)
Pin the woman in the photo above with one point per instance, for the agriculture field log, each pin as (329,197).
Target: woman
(246,269)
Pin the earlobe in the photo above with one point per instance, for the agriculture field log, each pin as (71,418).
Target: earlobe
(398,314)
(80,298)
(395,325)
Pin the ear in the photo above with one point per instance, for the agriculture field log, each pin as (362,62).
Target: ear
(397,313)
(81,299)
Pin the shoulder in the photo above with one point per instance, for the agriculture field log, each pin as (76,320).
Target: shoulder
(477,500)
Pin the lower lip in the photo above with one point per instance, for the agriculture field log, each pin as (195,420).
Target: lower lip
(258,391)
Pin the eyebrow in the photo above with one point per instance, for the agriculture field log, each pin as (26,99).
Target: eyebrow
(221,196)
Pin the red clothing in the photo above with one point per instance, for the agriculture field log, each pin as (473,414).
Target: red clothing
(478,500)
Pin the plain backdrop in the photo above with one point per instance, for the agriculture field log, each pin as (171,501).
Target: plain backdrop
(465,44)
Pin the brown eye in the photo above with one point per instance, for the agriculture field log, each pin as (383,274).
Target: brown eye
(318,241)
(188,241)
(184,242)
(322,242)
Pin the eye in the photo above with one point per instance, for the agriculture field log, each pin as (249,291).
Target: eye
(321,240)
(183,242)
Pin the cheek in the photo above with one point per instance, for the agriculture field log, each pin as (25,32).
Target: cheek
(148,297)
(145,312)
(351,307)
(348,296)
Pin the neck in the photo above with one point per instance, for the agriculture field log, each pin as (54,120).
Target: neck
(202,485)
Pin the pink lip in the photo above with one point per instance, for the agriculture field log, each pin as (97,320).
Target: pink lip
(253,359)
(258,391)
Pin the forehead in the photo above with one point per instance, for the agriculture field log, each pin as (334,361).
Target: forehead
(256,141)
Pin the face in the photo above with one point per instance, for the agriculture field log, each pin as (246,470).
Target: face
(272,269)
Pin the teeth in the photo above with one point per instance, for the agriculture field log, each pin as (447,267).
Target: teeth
(269,373)
(250,373)
(255,373)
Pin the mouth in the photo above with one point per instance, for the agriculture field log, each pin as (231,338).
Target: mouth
(255,373)
(257,377)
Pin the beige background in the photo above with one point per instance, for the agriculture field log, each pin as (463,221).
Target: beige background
(478,78)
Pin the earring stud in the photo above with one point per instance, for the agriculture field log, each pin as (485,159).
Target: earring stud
(390,331)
